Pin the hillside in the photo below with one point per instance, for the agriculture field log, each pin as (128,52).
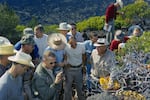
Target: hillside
(55,11)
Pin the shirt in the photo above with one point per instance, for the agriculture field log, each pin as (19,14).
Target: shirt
(111,12)
(74,55)
(103,65)
(11,88)
(41,44)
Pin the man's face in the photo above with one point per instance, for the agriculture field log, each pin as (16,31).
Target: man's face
(50,62)
(101,49)
(73,43)
(38,33)
(73,29)
(29,48)
(22,69)
(4,60)
(94,38)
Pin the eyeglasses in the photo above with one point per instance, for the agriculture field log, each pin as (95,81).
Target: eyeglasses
(52,63)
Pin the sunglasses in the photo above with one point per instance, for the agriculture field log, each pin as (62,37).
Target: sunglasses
(52,63)
(73,28)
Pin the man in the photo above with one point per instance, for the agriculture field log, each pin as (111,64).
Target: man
(45,85)
(34,54)
(75,56)
(6,49)
(27,46)
(110,16)
(11,81)
(73,33)
(40,39)
(89,46)
(57,43)
(64,28)
(103,61)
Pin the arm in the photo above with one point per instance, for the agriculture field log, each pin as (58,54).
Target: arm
(44,89)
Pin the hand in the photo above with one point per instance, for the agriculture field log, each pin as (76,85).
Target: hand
(61,64)
(83,69)
(59,77)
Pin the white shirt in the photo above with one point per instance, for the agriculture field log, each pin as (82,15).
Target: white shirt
(74,55)
(41,43)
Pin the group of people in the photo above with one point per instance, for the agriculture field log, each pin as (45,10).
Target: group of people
(45,67)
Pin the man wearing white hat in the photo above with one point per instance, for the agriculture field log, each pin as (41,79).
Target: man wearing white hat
(6,49)
(11,81)
(64,28)
(103,61)
(110,16)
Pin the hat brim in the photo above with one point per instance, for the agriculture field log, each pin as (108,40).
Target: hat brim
(14,59)
(97,44)
(63,29)
(57,47)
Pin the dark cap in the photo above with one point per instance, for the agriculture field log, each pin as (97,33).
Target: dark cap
(27,39)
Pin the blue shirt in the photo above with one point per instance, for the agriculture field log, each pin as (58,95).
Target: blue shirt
(34,53)
(58,53)
(11,88)
(88,48)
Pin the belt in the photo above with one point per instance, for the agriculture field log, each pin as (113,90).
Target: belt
(75,66)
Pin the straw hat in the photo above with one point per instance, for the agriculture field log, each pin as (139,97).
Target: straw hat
(22,58)
(64,26)
(6,48)
(101,42)
(57,41)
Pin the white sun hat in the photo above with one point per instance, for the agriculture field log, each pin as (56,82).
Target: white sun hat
(22,58)
(101,42)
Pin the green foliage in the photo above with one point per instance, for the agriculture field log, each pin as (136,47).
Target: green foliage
(134,12)
(33,22)
(93,23)
(19,29)
(50,29)
(8,20)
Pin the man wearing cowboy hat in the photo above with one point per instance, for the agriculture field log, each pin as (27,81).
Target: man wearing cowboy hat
(11,81)
(103,61)
(6,49)
(110,16)
(57,43)
(27,46)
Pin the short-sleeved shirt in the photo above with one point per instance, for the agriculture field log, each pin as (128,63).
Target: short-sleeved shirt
(74,55)
(103,65)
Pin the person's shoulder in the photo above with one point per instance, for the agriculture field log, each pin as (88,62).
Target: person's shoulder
(45,36)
